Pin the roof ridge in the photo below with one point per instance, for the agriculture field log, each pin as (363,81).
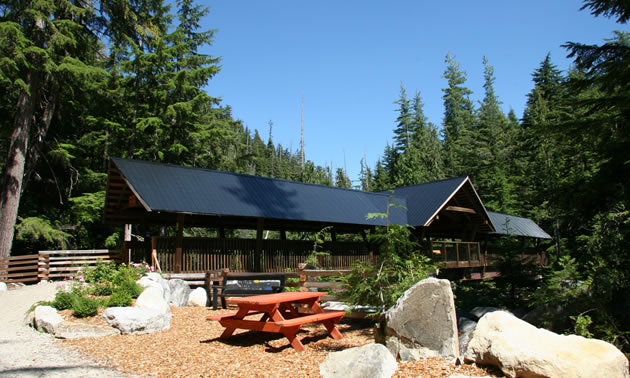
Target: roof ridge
(245,175)
(429,182)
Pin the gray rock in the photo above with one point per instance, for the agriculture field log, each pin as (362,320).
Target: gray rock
(3,287)
(479,312)
(70,330)
(137,320)
(180,291)
(198,297)
(465,325)
(46,319)
(423,322)
(520,349)
(368,361)
(464,340)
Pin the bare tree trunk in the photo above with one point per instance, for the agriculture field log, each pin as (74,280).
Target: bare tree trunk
(14,168)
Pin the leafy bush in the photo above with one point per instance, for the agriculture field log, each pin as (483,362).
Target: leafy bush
(84,306)
(64,300)
(102,290)
(119,298)
(102,273)
(400,265)
(131,288)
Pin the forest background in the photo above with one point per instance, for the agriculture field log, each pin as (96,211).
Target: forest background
(85,80)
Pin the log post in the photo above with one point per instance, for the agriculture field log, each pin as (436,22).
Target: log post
(179,241)
(259,245)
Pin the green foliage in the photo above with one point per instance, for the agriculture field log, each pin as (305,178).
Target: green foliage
(39,231)
(131,288)
(316,255)
(582,322)
(64,300)
(83,307)
(563,286)
(400,265)
(102,273)
(119,298)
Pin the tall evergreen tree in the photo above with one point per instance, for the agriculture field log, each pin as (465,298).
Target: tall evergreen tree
(458,119)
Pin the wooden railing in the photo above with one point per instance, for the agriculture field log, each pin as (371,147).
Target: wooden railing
(62,264)
(456,254)
(19,269)
(237,255)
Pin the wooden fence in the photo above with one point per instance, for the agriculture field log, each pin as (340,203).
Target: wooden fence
(19,269)
(237,255)
(62,264)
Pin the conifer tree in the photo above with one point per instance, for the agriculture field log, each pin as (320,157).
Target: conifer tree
(458,119)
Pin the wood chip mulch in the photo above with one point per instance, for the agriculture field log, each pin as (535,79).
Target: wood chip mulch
(191,347)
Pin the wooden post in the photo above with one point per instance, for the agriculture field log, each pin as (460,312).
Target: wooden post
(259,244)
(283,235)
(179,241)
(333,235)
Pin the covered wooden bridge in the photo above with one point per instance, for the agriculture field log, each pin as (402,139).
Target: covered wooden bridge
(448,216)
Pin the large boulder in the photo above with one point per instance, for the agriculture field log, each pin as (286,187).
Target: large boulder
(198,297)
(368,361)
(478,312)
(3,287)
(520,349)
(180,291)
(46,319)
(151,298)
(423,322)
(150,314)
(153,279)
(137,320)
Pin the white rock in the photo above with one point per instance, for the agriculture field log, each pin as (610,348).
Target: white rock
(155,280)
(137,320)
(520,349)
(3,287)
(46,319)
(368,361)
(198,297)
(151,298)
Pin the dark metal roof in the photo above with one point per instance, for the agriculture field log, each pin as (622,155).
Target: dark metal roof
(176,189)
(512,225)
(426,200)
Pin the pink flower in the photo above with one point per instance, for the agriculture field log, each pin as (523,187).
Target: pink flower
(81,279)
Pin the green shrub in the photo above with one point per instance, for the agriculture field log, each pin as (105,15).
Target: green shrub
(130,287)
(103,272)
(83,307)
(64,300)
(119,298)
(101,290)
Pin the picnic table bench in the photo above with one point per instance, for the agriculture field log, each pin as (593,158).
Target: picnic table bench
(279,315)
(246,284)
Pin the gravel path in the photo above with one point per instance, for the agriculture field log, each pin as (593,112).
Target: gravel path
(25,352)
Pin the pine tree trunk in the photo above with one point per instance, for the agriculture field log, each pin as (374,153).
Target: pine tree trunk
(14,167)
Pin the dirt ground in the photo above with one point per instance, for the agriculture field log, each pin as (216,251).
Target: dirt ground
(192,348)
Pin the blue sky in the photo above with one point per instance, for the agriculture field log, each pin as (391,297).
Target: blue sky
(348,59)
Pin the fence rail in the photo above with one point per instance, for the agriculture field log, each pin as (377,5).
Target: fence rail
(238,255)
(19,269)
(62,264)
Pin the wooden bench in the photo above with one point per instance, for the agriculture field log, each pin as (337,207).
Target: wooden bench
(246,284)
(301,320)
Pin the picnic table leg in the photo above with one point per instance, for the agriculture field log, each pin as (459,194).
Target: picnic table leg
(290,333)
(332,330)
(242,312)
(330,326)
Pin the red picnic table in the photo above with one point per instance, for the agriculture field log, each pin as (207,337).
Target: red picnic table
(280,315)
